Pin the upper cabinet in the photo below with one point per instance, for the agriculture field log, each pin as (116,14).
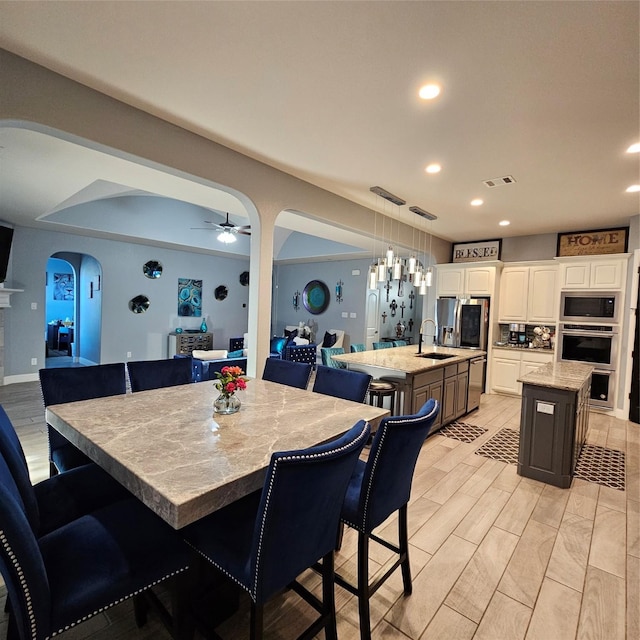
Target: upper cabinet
(529,293)
(596,272)
(460,280)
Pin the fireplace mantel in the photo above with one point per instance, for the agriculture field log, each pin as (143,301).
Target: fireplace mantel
(5,295)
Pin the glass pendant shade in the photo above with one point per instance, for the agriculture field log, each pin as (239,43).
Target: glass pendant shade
(373,277)
(382,270)
(423,287)
(396,272)
(412,265)
(428,277)
(417,277)
(390,255)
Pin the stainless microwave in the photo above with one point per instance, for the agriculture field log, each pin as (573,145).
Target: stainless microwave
(589,306)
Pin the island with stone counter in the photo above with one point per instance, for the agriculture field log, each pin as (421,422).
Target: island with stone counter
(553,421)
(438,372)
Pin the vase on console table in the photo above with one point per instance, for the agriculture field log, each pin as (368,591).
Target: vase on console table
(203,326)
(226,404)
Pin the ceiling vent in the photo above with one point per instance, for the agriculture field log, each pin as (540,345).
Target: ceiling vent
(498,182)
(423,213)
(383,193)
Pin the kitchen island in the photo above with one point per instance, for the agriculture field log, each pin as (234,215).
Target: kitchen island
(553,421)
(438,372)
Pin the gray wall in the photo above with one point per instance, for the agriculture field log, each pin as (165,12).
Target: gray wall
(144,335)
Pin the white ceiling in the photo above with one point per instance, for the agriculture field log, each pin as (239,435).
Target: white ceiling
(546,92)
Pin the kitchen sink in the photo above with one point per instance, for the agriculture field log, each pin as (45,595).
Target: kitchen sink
(435,356)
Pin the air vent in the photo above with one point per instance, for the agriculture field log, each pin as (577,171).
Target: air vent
(498,182)
(383,193)
(423,213)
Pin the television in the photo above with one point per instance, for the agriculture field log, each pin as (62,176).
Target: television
(6,236)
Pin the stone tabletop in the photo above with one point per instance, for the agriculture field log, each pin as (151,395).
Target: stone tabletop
(405,359)
(568,376)
(168,448)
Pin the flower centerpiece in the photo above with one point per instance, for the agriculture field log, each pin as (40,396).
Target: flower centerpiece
(230,380)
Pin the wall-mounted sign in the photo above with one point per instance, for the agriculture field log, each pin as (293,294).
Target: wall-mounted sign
(476,251)
(592,243)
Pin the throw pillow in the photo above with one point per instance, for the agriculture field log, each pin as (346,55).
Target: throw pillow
(289,340)
(329,339)
(236,354)
(277,345)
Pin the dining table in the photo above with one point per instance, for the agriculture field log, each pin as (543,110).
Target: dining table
(170,450)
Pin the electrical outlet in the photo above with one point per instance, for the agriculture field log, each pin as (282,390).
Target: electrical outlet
(128,354)
(353,315)
(34,306)
(34,361)
(345,314)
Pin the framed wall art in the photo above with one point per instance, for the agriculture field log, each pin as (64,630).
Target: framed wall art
(189,297)
(592,243)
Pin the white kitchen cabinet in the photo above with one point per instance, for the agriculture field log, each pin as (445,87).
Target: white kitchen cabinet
(596,272)
(456,280)
(509,366)
(543,294)
(529,293)
(514,292)
(505,372)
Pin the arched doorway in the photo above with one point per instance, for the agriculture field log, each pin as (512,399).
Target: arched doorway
(73,310)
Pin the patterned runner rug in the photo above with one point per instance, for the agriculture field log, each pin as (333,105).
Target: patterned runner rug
(462,431)
(595,464)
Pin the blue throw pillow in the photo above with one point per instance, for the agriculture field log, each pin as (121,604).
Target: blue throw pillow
(290,336)
(277,345)
(235,354)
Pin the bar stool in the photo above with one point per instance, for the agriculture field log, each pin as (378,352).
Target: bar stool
(379,390)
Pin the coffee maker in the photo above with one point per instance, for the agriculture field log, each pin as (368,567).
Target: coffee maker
(514,333)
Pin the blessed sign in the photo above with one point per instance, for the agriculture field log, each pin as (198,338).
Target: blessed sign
(590,243)
(476,251)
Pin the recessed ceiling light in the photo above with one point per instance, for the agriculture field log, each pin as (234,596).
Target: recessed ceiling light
(504,223)
(633,188)
(634,148)
(434,167)
(477,202)
(429,91)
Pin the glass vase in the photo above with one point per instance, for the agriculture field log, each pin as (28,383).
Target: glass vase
(226,404)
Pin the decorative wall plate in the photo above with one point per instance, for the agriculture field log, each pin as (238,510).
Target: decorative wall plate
(315,297)
(221,292)
(244,278)
(152,269)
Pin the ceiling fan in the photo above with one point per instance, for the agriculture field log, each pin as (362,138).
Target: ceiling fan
(227,229)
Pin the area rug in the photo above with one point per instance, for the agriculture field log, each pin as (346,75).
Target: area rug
(503,446)
(595,464)
(462,431)
(602,466)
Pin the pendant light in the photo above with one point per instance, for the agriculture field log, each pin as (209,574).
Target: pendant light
(429,275)
(396,272)
(412,264)
(373,272)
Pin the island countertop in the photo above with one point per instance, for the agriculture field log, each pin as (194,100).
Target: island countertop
(406,359)
(569,376)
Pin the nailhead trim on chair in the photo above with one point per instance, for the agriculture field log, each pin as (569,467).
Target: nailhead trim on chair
(25,587)
(252,590)
(375,463)
(23,583)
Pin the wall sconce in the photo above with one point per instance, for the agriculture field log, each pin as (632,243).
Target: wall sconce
(339,286)
(296,300)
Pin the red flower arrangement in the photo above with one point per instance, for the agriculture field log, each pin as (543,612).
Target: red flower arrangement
(230,380)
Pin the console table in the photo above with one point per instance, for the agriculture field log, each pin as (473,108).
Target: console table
(186,342)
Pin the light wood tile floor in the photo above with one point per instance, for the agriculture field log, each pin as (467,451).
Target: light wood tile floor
(494,556)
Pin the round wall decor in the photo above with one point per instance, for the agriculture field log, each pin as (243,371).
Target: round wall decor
(221,292)
(152,269)
(315,297)
(139,304)
(244,278)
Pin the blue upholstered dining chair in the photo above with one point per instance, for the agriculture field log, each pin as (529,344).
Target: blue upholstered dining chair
(327,353)
(293,374)
(358,347)
(264,541)
(70,384)
(382,345)
(61,579)
(400,343)
(156,374)
(342,383)
(64,497)
(378,488)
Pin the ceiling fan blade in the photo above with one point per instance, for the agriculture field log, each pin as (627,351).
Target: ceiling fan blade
(242,232)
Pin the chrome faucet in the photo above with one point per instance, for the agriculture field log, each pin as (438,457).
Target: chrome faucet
(421,329)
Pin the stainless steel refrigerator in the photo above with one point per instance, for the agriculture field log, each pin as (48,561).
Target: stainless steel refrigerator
(462,322)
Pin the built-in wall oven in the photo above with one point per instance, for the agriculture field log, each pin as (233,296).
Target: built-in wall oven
(596,345)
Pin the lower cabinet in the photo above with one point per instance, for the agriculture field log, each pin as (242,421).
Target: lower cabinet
(508,366)
(448,385)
